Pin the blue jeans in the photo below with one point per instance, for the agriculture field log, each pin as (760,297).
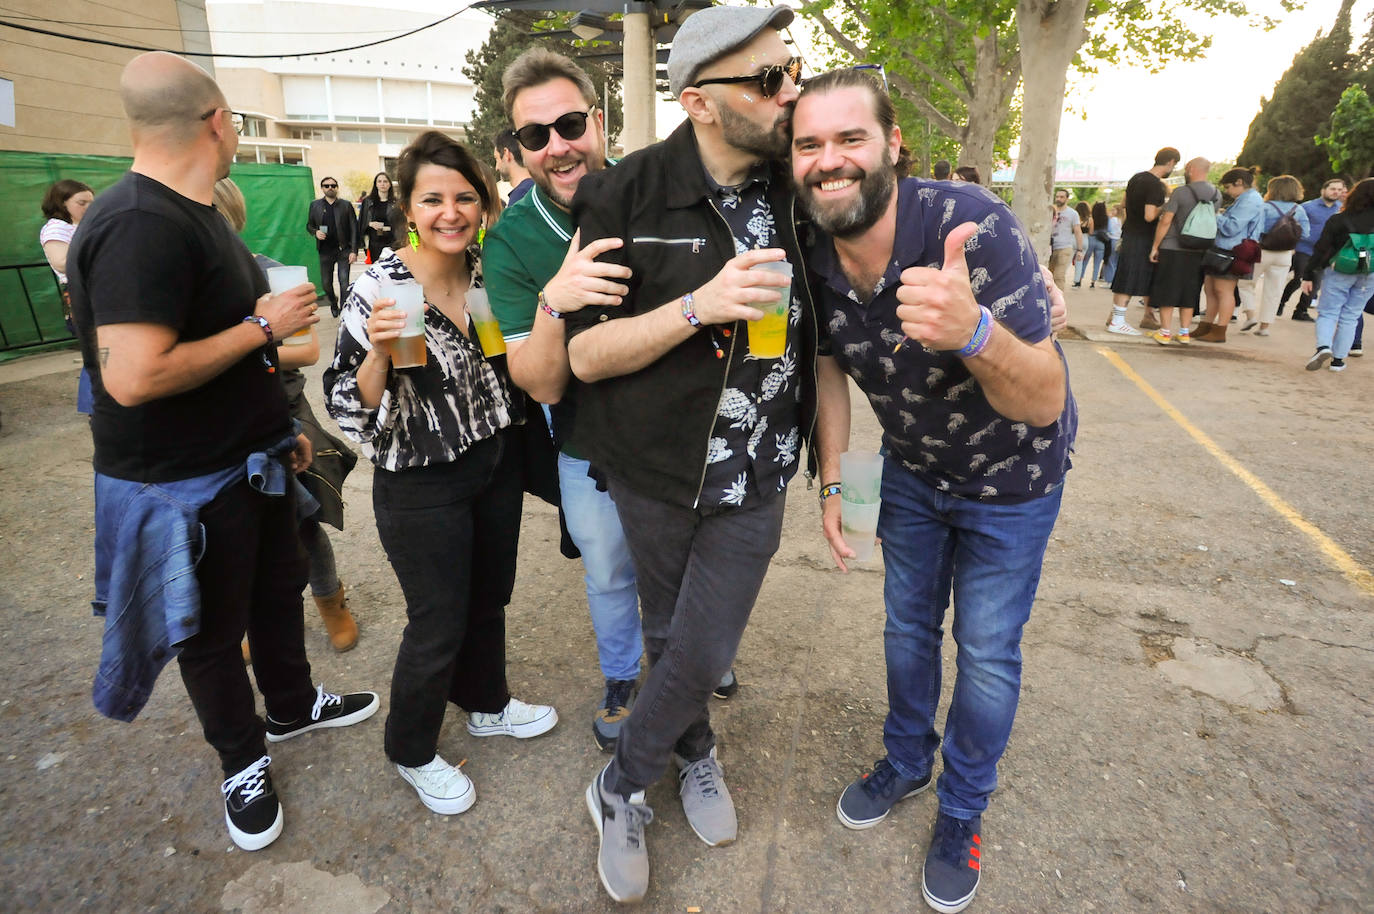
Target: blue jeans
(1109,268)
(1342,299)
(991,555)
(610,572)
(1097,249)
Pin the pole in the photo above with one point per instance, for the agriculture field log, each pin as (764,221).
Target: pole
(638,86)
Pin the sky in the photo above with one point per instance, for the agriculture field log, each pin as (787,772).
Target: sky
(1115,121)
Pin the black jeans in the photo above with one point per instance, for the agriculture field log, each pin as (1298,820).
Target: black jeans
(699,573)
(451,533)
(334,263)
(1299,267)
(250,579)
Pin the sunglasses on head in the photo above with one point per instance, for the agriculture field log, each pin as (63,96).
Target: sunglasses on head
(769,78)
(570,126)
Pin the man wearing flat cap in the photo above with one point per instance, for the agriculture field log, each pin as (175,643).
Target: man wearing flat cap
(695,435)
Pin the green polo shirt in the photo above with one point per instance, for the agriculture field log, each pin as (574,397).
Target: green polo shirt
(522,252)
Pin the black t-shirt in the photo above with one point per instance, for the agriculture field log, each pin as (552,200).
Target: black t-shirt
(146,254)
(1143,188)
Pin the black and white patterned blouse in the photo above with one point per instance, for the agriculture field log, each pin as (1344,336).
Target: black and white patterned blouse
(753,448)
(428,415)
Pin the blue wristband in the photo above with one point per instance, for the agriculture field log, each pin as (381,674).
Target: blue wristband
(981,334)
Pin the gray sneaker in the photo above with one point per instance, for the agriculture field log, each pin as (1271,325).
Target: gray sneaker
(623,860)
(706,800)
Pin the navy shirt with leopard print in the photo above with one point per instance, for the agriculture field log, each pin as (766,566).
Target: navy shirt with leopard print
(934,416)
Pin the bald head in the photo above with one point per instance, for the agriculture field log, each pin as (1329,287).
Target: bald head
(1196,169)
(164,92)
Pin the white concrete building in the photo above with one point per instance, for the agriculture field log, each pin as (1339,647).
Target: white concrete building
(346,113)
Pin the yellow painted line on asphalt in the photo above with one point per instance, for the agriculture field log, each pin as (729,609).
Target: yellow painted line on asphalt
(1344,562)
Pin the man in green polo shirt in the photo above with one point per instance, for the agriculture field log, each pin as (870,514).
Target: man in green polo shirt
(533,278)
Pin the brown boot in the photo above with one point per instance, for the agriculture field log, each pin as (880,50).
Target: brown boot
(1201,328)
(1216,333)
(1148,322)
(338,621)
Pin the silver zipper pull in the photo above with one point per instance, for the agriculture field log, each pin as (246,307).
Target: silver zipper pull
(696,245)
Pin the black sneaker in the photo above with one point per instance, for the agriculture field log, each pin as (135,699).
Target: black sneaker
(1337,365)
(953,864)
(1303,316)
(867,801)
(727,686)
(330,711)
(1319,358)
(615,708)
(251,809)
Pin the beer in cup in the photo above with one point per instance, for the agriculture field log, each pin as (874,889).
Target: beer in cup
(861,483)
(488,330)
(768,334)
(408,351)
(284,279)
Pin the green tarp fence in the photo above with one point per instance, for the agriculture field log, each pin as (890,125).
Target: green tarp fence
(278,198)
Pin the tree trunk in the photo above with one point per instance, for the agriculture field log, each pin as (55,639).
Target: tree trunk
(1051,32)
(987,108)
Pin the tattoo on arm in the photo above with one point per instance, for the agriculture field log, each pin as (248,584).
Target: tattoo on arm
(104,355)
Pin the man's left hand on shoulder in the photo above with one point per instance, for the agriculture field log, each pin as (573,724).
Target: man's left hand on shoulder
(937,308)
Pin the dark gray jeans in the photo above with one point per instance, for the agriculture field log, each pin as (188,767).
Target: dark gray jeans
(698,572)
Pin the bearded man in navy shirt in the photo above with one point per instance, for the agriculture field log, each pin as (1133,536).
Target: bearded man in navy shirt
(936,306)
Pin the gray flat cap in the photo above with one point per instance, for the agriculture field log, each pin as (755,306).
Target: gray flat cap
(714,32)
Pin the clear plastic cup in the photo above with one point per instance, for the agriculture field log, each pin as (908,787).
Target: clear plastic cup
(408,351)
(859,525)
(861,486)
(768,334)
(284,279)
(488,330)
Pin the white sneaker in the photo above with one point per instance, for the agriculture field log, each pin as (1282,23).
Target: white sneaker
(517,719)
(1122,328)
(442,787)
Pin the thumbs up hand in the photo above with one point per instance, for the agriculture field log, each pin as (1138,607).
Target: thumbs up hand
(937,308)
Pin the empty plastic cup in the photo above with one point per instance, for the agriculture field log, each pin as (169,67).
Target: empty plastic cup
(861,486)
(284,279)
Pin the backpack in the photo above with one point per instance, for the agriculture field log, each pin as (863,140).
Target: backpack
(1199,230)
(1285,234)
(1355,254)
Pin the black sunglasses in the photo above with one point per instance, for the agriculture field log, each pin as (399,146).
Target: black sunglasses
(769,78)
(329,186)
(570,126)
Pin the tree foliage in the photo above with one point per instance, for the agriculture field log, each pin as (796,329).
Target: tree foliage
(1280,139)
(1349,144)
(509,37)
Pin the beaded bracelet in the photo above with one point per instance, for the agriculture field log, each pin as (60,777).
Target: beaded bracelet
(547,308)
(261,322)
(981,335)
(687,311)
(833,488)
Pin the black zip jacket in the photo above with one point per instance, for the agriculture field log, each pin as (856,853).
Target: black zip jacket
(651,429)
(1334,236)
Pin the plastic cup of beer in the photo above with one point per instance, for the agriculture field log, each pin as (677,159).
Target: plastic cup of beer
(488,330)
(408,351)
(284,279)
(861,482)
(768,334)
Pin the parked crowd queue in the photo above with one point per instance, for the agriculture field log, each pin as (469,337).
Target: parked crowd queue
(461,350)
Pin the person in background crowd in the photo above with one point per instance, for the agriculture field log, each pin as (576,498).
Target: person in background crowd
(332,459)
(1343,295)
(1318,210)
(510,165)
(334,226)
(1095,239)
(940,171)
(1134,270)
(64,204)
(1240,222)
(969,173)
(1118,212)
(1281,197)
(379,217)
(1066,239)
(193,445)
(1178,269)
(446,490)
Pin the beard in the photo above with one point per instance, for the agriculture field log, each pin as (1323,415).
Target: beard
(845,220)
(594,161)
(743,134)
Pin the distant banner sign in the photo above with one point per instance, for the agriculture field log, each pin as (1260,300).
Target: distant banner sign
(1088,170)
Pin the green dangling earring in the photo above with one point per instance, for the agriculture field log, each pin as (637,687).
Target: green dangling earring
(481,234)
(413,236)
